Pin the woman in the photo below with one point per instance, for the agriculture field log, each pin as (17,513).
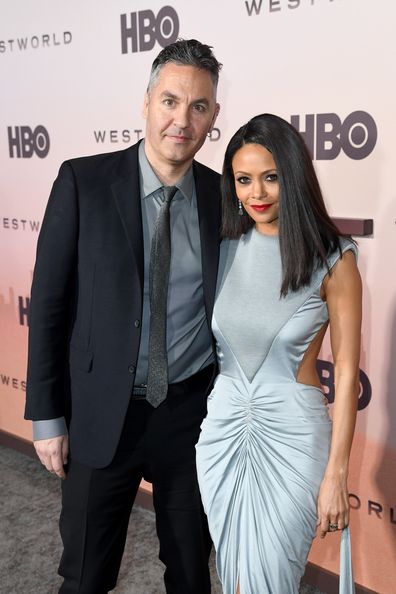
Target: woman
(271,464)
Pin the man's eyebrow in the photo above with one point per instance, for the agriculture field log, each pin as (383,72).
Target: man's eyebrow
(201,100)
(169,95)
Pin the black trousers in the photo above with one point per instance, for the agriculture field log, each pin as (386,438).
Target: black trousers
(158,445)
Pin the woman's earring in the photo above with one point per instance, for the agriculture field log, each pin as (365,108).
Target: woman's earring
(240,209)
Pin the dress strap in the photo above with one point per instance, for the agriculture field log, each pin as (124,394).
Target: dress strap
(347,585)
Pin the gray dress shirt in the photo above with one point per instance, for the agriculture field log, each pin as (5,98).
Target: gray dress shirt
(188,336)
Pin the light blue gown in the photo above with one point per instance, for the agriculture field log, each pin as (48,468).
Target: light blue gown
(264,444)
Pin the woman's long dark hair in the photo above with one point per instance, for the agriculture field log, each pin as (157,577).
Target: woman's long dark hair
(306,233)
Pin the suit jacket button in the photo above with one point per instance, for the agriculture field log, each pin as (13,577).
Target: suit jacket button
(131,369)
(137,323)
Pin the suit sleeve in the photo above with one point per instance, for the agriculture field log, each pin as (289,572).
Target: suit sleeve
(51,303)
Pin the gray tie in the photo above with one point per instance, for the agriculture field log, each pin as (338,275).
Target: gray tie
(157,378)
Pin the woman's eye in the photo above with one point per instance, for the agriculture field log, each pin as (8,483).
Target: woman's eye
(272,177)
(243,179)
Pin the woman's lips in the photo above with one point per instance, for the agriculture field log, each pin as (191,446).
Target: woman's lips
(260,207)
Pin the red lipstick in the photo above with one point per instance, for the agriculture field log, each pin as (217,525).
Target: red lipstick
(260,207)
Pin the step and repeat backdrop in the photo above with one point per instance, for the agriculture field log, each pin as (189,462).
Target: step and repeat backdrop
(73,76)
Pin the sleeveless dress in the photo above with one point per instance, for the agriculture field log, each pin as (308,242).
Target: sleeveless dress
(265,441)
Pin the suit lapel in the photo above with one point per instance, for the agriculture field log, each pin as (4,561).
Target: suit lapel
(208,201)
(126,192)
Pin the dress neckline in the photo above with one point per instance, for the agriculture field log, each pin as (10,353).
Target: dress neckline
(265,236)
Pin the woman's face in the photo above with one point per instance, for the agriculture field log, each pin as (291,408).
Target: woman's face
(257,186)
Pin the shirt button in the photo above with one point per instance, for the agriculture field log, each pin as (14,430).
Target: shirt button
(137,323)
(131,369)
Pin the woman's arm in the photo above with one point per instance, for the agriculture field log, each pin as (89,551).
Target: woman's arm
(343,292)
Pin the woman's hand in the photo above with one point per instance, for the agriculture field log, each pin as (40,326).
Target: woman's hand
(333,504)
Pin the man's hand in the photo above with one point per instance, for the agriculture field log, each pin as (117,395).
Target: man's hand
(53,453)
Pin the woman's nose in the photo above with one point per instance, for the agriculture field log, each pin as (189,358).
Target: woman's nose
(258,190)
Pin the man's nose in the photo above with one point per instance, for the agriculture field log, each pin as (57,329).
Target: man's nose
(182,117)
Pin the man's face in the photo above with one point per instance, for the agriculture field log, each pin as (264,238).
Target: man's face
(180,109)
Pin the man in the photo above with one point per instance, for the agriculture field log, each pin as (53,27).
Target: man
(100,331)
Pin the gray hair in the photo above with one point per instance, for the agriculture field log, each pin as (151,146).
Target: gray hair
(188,52)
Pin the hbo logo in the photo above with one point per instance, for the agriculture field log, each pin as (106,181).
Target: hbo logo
(325,134)
(23,142)
(144,29)
(325,371)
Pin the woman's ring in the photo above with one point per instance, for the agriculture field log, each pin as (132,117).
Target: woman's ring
(333,527)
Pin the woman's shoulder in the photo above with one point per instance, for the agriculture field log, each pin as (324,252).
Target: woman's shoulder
(344,277)
(346,244)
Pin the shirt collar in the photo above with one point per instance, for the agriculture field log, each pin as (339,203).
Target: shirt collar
(149,182)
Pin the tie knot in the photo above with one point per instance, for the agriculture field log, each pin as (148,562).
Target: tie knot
(169,192)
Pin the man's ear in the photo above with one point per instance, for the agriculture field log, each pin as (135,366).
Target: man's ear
(145,105)
(216,113)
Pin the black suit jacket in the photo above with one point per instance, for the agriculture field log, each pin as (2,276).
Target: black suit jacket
(86,300)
